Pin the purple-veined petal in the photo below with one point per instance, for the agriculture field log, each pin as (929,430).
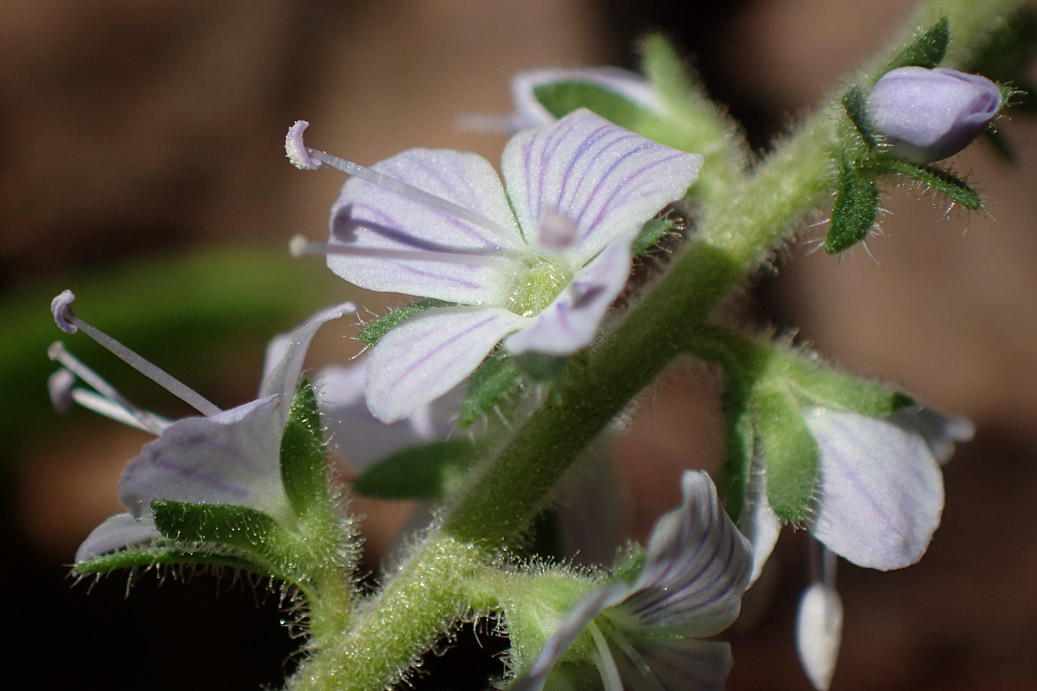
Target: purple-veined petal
(880,489)
(696,568)
(360,438)
(609,180)
(576,620)
(427,355)
(230,458)
(401,245)
(654,663)
(117,532)
(286,353)
(570,322)
(819,631)
(530,113)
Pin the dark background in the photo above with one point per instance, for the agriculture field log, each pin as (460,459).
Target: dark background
(133,133)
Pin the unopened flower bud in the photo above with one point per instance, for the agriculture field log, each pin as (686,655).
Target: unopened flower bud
(927,115)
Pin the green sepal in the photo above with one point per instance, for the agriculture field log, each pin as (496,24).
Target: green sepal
(855,209)
(304,468)
(566,95)
(425,472)
(856,105)
(654,231)
(789,452)
(491,382)
(829,388)
(246,531)
(934,178)
(540,367)
(373,332)
(926,50)
(151,556)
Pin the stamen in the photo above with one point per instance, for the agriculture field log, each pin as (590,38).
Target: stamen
(311,159)
(604,662)
(113,411)
(300,246)
(59,386)
(72,364)
(61,307)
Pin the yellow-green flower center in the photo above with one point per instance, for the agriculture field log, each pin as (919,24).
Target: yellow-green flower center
(537,285)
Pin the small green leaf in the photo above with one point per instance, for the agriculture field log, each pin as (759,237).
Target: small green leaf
(495,379)
(304,469)
(854,211)
(789,452)
(238,527)
(373,332)
(146,557)
(856,105)
(654,231)
(421,472)
(564,96)
(927,49)
(935,178)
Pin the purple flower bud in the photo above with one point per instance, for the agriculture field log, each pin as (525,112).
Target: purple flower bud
(927,115)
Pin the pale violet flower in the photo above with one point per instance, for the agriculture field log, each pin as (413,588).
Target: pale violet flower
(878,503)
(534,263)
(926,115)
(647,633)
(224,457)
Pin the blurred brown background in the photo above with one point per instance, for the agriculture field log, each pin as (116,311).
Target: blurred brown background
(136,131)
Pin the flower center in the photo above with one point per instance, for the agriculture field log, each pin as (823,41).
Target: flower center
(536,287)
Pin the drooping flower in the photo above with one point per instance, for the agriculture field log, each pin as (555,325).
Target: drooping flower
(536,265)
(927,115)
(879,500)
(223,457)
(647,633)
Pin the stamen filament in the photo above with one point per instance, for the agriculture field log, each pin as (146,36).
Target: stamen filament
(300,246)
(63,315)
(102,406)
(606,665)
(144,420)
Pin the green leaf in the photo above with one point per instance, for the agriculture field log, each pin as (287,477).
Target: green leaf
(854,211)
(239,527)
(146,557)
(654,231)
(495,379)
(426,472)
(564,96)
(304,469)
(927,49)
(934,178)
(373,332)
(856,105)
(789,452)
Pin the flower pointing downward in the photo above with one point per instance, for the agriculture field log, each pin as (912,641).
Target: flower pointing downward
(535,262)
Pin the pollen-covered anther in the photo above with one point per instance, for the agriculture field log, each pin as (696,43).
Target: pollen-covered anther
(296,150)
(61,308)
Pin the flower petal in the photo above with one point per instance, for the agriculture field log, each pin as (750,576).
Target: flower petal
(529,112)
(396,243)
(230,458)
(759,523)
(651,663)
(939,431)
(116,532)
(285,353)
(696,569)
(881,491)
(609,180)
(819,631)
(427,355)
(360,438)
(570,322)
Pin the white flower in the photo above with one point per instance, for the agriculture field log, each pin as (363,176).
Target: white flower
(536,265)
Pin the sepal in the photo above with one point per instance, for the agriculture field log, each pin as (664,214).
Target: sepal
(855,209)
(489,385)
(789,451)
(373,332)
(304,469)
(934,178)
(239,528)
(153,556)
(927,49)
